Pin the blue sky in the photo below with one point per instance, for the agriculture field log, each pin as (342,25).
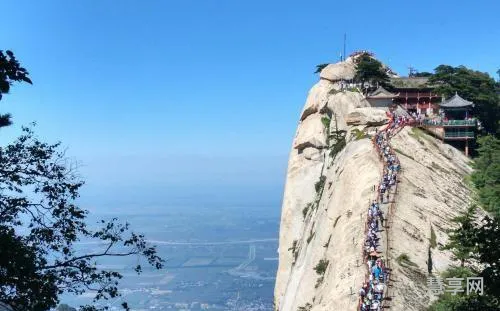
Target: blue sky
(163,99)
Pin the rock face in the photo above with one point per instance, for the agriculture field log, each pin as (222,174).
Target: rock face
(339,71)
(366,116)
(329,185)
(317,98)
(312,133)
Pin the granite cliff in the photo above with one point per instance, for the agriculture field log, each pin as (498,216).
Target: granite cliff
(332,170)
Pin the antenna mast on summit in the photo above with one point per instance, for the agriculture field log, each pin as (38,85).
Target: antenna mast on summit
(411,71)
(345,37)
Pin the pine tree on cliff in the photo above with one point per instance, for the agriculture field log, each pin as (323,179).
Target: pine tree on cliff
(477,244)
(462,239)
(370,70)
(486,176)
(40,223)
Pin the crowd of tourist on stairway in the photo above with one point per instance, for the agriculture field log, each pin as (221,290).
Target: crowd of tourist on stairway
(372,292)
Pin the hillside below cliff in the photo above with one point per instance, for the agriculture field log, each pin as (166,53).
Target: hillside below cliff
(333,171)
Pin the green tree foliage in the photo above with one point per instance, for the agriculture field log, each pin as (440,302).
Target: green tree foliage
(462,302)
(477,244)
(40,224)
(320,184)
(474,86)
(306,307)
(368,69)
(320,268)
(461,239)
(326,122)
(10,71)
(479,256)
(423,74)
(459,272)
(487,239)
(486,177)
(320,67)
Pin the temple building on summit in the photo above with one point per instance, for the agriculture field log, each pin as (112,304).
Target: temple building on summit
(412,94)
(451,120)
(455,122)
(457,108)
(381,98)
(415,95)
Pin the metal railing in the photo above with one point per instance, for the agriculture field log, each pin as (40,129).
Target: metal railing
(467,134)
(450,123)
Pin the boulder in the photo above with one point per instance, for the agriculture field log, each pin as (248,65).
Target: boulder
(317,99)
(339,71)
(311,133)
(313,154)
(341,104)
(367,116)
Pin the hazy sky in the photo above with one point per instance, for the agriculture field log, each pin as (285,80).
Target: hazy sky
(171,98)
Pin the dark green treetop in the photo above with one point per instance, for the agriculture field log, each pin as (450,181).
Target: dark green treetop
(10,71)
(471,85)
(370,70)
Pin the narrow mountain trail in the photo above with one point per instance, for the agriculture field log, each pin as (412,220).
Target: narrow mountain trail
(374,292)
